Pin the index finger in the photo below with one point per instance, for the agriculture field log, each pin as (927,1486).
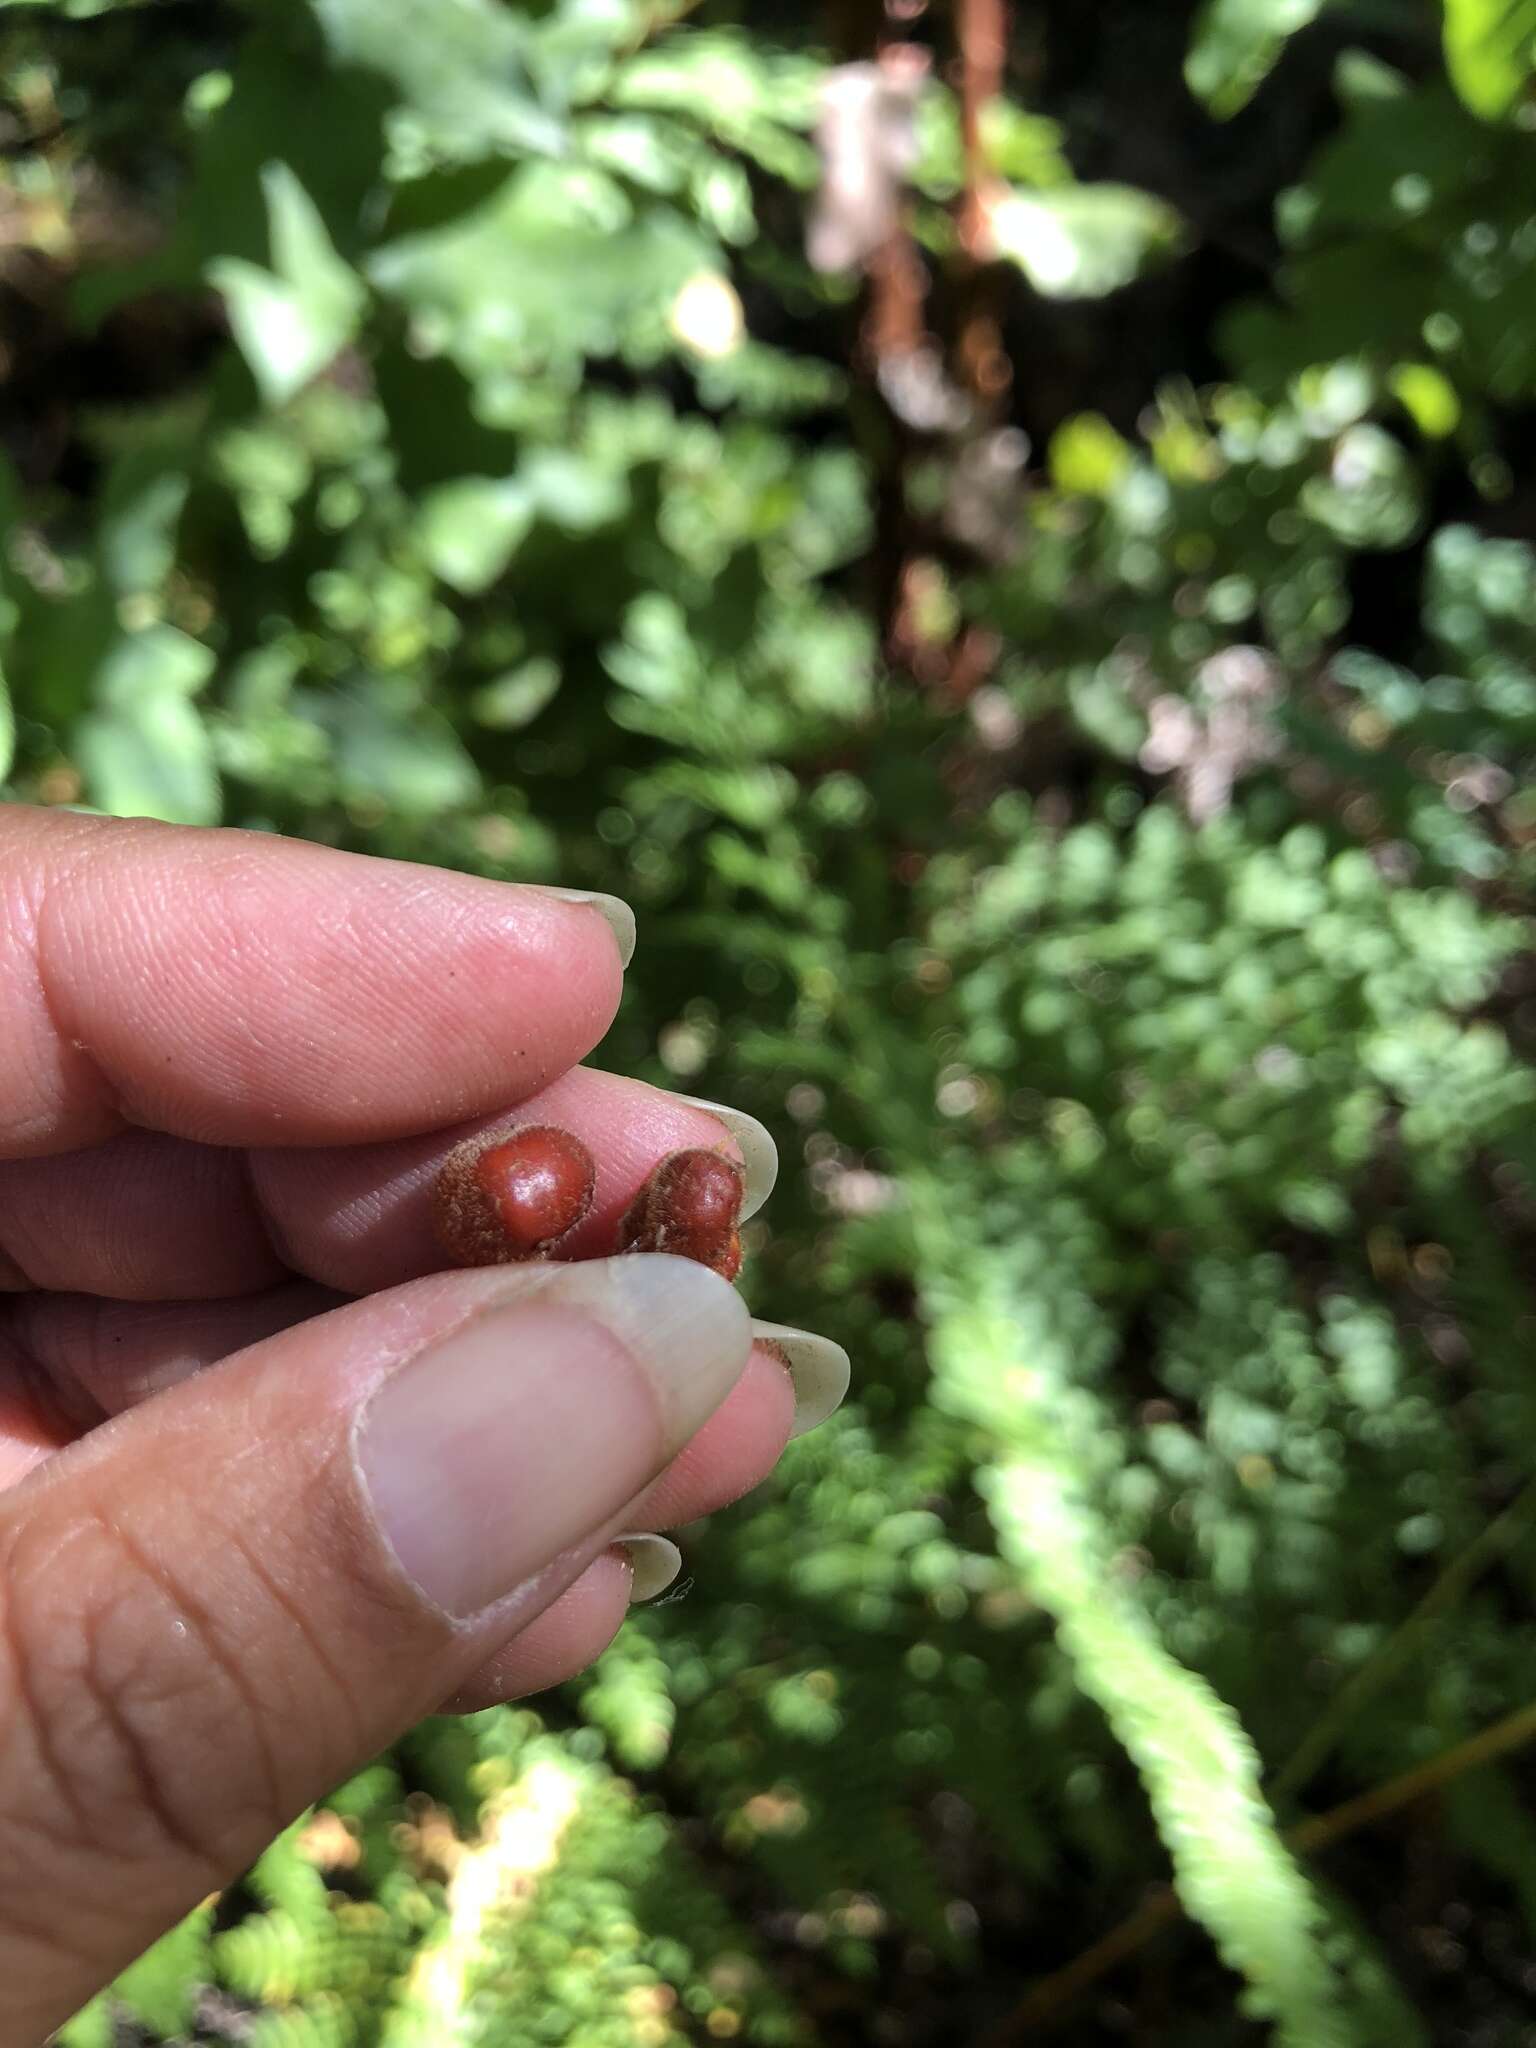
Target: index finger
(240,989)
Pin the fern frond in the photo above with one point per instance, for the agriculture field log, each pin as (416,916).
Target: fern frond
(1010,1368)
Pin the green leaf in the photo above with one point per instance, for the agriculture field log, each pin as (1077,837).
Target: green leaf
(460,68)
(573,491)
(517,698)
(220,205)
(1087,456)
(10,508)
(390,752)
(1235,46)
(80,10)
(94,2027)
(1381,2014)
(7,728)
(471,528)
(162,1987)
(1025,148)
(144,751)
(151,760)
(141,507)
(626,1694)
(1007,1364)
(557,265)
(1428,397)
(1490,52)
(292,321)
(159,662)
(1082,241)
(1396,159)
(732,88)
(1370,496)
(1359,78)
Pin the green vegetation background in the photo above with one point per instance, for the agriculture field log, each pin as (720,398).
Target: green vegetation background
(1079,797)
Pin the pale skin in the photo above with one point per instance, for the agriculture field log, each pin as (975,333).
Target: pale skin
(231,1066)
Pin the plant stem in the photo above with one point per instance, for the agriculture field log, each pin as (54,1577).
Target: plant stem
(1500,1536)
(1049,2000)
(1324,1829)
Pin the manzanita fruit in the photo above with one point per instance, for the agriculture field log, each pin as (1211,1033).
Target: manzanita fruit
(515,1196)
(690,1206)
(506,1198)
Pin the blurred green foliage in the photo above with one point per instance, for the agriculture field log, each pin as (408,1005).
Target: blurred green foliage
(428,435)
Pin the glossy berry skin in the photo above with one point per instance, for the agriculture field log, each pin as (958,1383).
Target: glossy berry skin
(691,1207)
(513,1197)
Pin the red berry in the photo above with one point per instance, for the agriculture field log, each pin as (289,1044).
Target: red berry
(690,1206)
(511,1197)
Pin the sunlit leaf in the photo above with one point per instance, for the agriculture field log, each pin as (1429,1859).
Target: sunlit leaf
(141,507)
(557,264)
(1429,397)
(95,2026)
(751,98)
(392,754)
(1196,1760)
(150,759)
(517,698)
(1237,43)
(80,10)
(7,728)
(291,321)
(1020,146)
(459,66)
(1087,455)
(1082,241)
(161,1989)
(158,662)
(470,529)
(1490,52)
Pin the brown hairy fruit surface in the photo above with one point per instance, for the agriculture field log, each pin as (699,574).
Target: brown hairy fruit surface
(510,1197)
(690,1206)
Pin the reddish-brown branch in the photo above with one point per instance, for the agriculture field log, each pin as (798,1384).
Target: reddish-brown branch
(895,332)
(982,28)
(1050,1999)
(894,323)
(981,360)
(924,399)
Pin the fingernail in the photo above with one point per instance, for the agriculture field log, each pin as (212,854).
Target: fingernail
(526,1429)
(819,1371)
(620,917)
(759,1154)
(653,1564)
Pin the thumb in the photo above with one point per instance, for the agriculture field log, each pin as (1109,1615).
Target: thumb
(216,1607)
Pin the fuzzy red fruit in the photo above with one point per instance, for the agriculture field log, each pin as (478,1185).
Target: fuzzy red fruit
(691,1207)
(723,1256)
(509,1198)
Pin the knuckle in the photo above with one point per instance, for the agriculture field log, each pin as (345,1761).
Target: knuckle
(136,1729)
(155,1709)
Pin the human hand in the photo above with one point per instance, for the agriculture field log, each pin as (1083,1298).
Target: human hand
(272,1486)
